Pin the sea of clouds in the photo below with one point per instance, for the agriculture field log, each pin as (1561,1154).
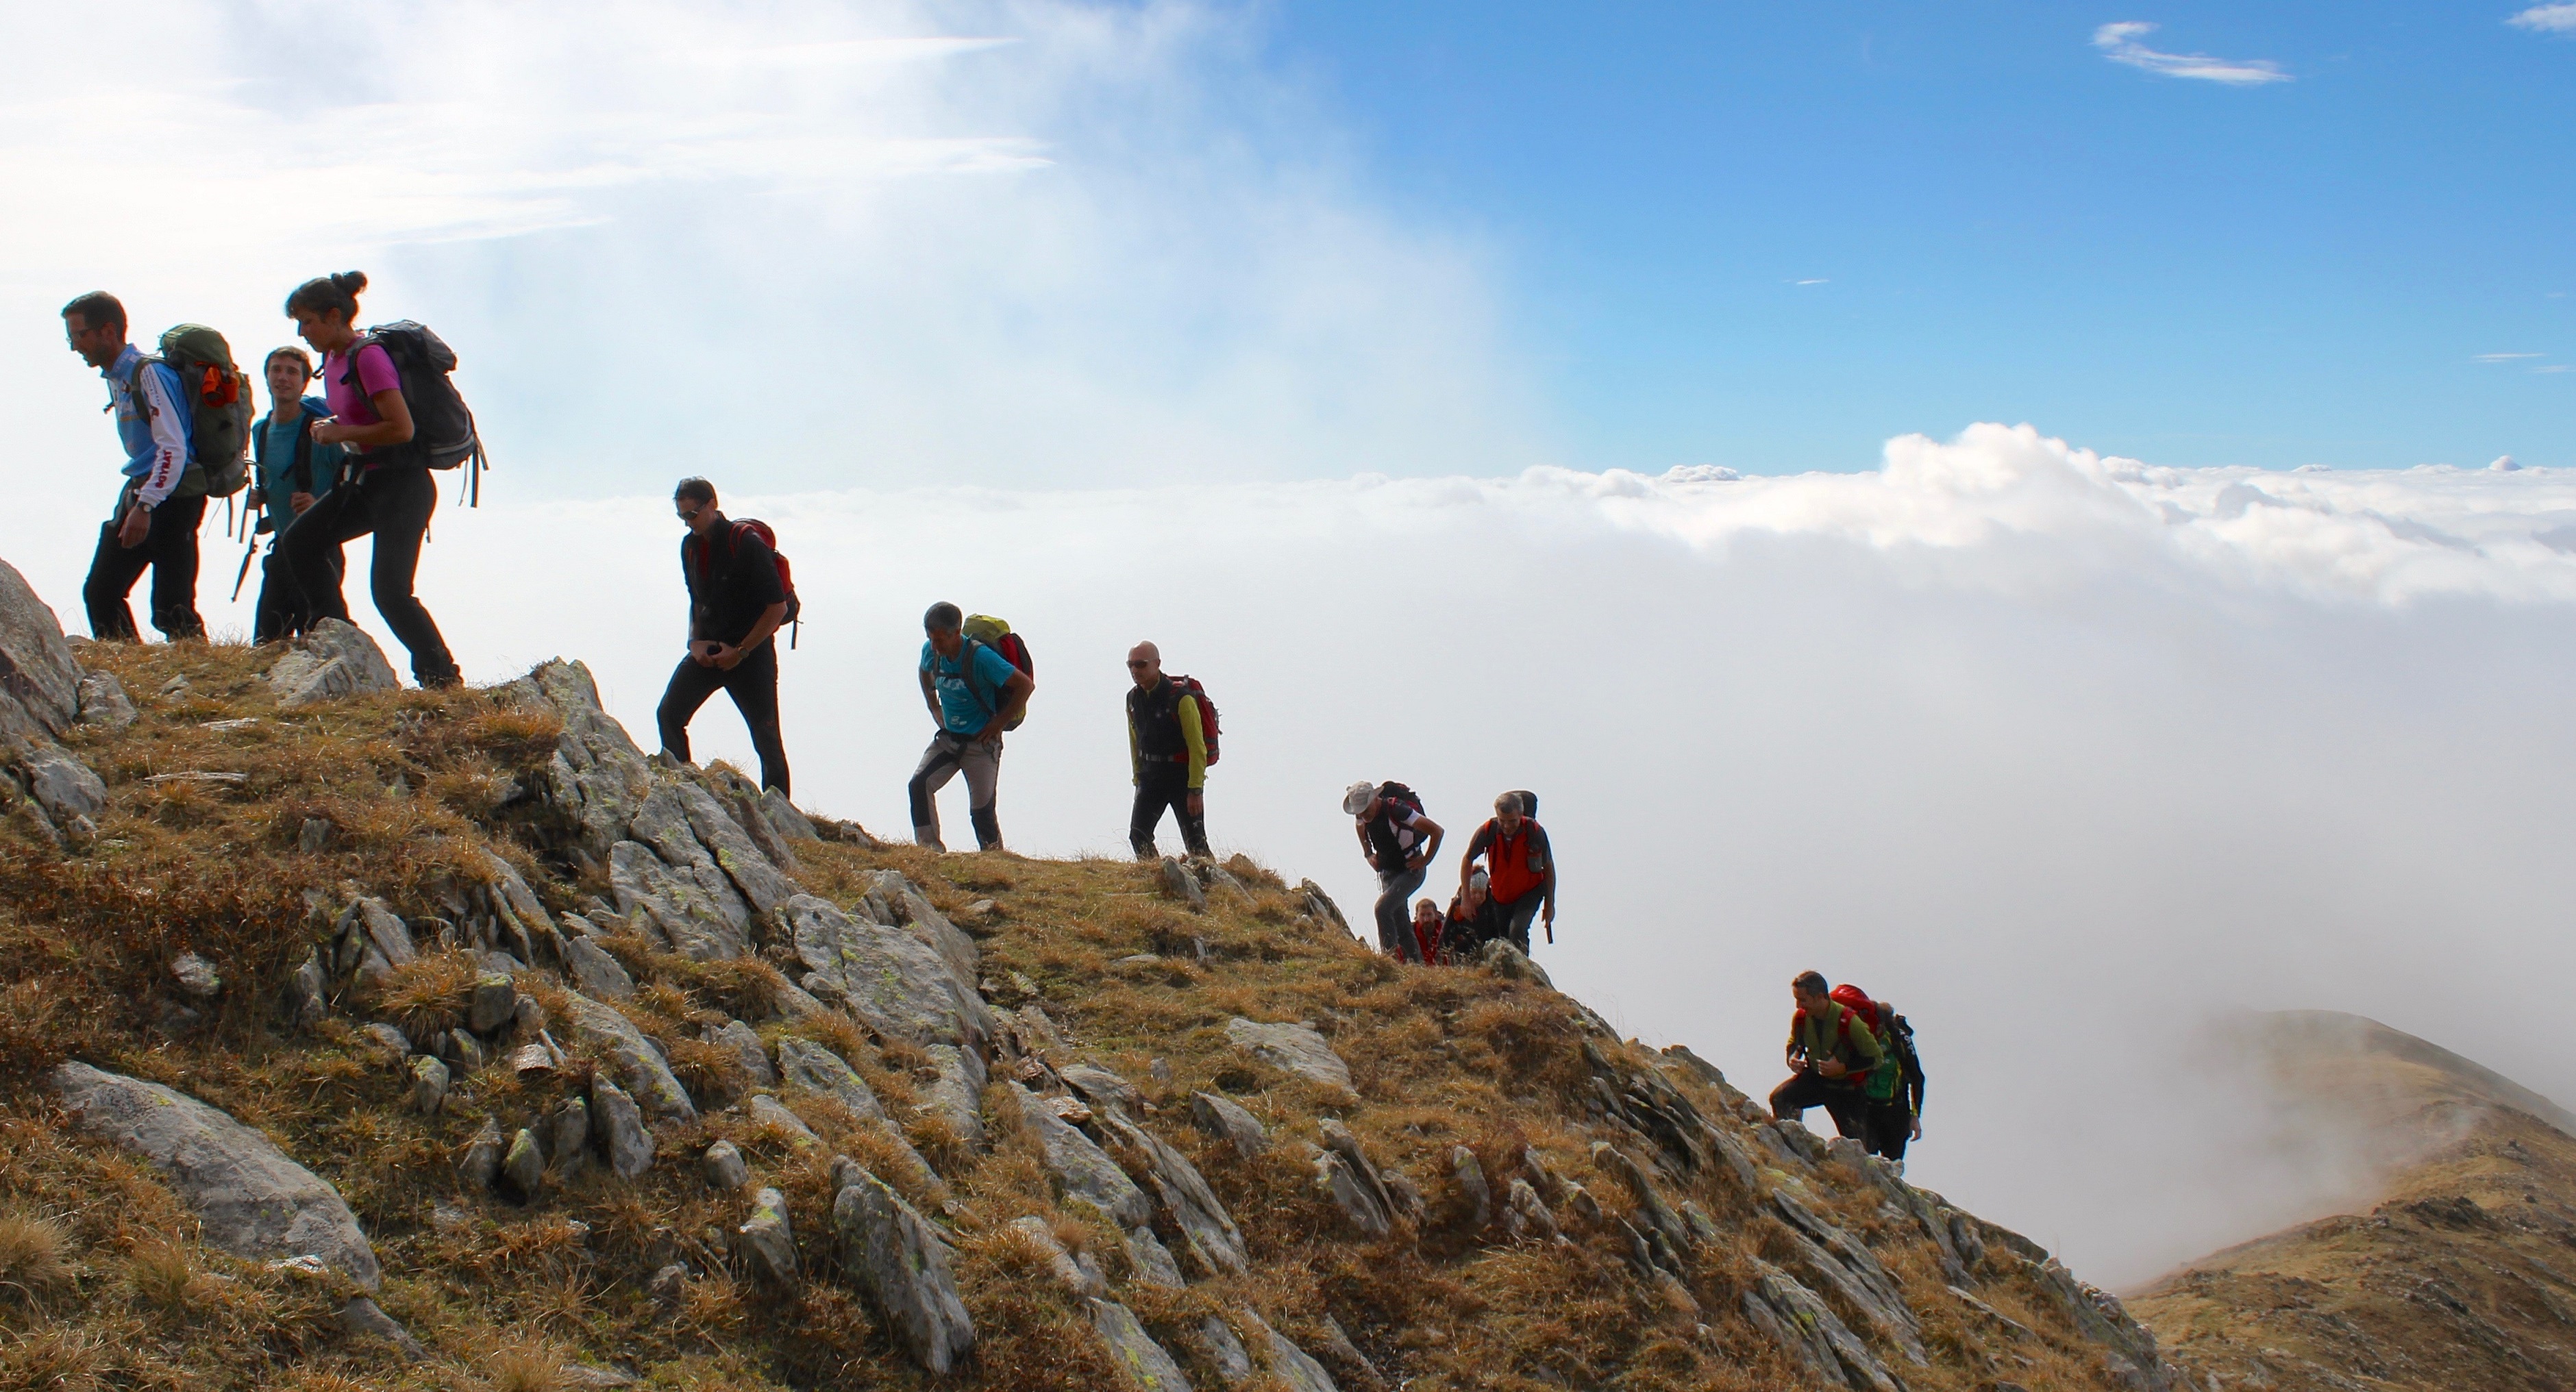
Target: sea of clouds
(2066,755)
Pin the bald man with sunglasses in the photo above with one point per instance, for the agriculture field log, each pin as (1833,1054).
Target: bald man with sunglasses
(1167,747)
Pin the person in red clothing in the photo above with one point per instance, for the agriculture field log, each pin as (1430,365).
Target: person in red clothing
(1520,866)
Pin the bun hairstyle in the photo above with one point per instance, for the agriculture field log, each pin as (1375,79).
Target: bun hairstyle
(325,294)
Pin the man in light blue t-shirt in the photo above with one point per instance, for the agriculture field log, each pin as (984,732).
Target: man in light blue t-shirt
(975,694)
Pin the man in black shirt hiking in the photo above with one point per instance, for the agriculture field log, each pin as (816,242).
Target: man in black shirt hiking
(736,602)
(1167,747)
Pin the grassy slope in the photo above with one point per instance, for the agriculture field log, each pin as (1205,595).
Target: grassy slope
(504,1295)
(2459,1277)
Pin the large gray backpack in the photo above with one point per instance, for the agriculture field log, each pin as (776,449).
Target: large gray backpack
(218,397)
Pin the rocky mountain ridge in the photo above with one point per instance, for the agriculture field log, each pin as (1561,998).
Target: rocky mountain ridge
(356,1037)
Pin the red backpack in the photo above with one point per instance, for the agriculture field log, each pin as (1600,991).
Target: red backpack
(786,577)
(1207,713)
(1857,1001)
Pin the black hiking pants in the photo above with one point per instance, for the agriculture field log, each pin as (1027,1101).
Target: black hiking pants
(1165,786)
(1891,1124)
(169,551)
(1845,1102)
(281,611)
(395,504)
(753,685)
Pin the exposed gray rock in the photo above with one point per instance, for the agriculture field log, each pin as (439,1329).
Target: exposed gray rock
(887,977)
(762,884)
(1355,1366)
(678,905)
(2129,1346)
(1526,1217)
(306,997)
(597,776)
(1147,1365)
(1224,1119)
(746,1046)
(253,1201)
(1509,963)
(1075,1271)
(364,1318)
(461,1050)
(1839,1262)
(765,1110)
(1178,883)
(956,1094)
(595,972)
(1208,1233)
(103,701)
(39,681)
(1345,1175)
(1102,1088)
(669,1286)
(334,658)
(1082,1172)
(1291,1364)
(662,822)
(766,1243)
(1292,1048)
(816,1069)
(313,836)
(372,941)
(742,801)
(1792,1316)
(520,914)
(429,1079)
(1321,905)
(620,1124)
(784,816)
(480,1166)
(647,1078)
(523,1168)
(195,977)
(902,1264)
(913,907)
(1152,1261)
(1652,1211)
(60,783)
(494,1004)
(1476,1198)
(568,1138)
(1233,1365)
(725,1168)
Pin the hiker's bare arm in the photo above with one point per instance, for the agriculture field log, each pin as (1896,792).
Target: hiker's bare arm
(1015,698)
(1430,845)
(1476,845)
(393,429)
(770,619)
(930,694)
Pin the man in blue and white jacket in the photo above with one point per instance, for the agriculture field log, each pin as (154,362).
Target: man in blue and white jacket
(163,501)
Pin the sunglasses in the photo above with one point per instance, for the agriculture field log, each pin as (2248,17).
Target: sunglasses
(1134,663)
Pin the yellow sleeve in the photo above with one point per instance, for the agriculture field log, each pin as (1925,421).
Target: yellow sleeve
(1193,735)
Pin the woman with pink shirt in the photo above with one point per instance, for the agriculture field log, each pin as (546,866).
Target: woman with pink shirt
(388,492)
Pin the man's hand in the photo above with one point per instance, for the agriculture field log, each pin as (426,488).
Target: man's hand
(1832,1068)
(1918,1129)
(703,651)
(1416,862)
(726,657)
(299,502)
(991,733)
(1198,804)
(136,526)
(332,432)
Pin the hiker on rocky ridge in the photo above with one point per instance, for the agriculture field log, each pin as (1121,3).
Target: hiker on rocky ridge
(163,499)
(390,493)
(736,603)
(1430,931)
(1167,754)
(975,694)
(1399,842)
(1835,1057)
(1898,1117)
(1472,920)
(1522,867)
(289,472)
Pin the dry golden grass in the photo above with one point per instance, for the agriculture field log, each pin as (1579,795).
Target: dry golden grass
(34,1255)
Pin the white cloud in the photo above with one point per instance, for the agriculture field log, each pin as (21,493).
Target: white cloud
(2120,43)
(2547,19)
(2555,367)
(1819,280)
(2505,357)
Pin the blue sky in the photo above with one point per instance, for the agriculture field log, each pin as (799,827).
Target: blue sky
(2007,224)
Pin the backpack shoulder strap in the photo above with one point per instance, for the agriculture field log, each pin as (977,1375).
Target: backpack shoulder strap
(966,673)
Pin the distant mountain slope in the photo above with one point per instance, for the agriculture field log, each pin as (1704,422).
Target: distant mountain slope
(2461,1275)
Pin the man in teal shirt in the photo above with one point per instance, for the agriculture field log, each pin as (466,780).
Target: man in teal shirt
(975,694)
(292,470)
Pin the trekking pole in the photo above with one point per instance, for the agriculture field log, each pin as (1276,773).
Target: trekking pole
(247,553)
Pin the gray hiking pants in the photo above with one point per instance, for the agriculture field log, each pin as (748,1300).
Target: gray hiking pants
(1395,913)
(948,756)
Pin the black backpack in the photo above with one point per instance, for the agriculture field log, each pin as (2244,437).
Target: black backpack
(442,427)
(1382,841)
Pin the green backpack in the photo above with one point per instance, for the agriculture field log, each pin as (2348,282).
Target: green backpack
(219,405)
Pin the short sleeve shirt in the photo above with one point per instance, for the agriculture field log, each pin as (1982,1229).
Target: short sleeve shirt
(351,405)
(961,711)
(732,581)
